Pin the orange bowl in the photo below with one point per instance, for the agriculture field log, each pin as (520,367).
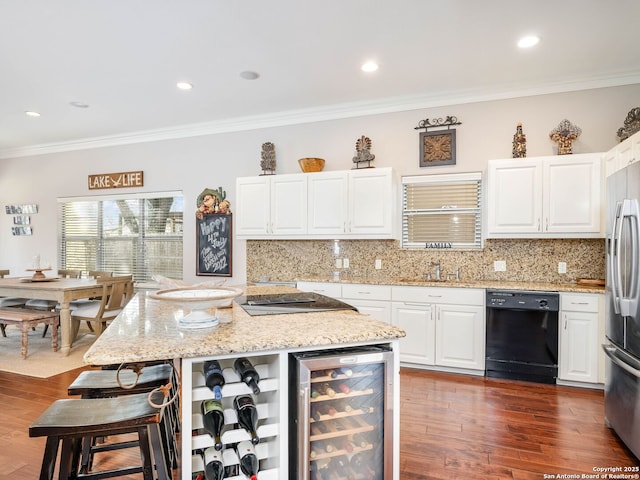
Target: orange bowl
(311,164)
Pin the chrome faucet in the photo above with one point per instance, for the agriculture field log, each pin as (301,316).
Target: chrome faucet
(437,265)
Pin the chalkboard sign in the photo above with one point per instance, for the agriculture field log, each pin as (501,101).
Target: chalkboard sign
(213,237)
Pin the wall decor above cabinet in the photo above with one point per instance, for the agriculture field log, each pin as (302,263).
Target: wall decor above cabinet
(338,204)
(363,153)
(545,197)
(631,124)
(438,147)
(268,159)
(564,135)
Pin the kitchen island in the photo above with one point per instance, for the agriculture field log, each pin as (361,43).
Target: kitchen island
(147,329)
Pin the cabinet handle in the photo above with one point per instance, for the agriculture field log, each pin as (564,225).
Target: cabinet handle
(365,293)
(410,304)
(579,303)
(546,224)
(434,296)
(538,223)
(565,320)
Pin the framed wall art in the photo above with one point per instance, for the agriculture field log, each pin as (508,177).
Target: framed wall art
(438,148)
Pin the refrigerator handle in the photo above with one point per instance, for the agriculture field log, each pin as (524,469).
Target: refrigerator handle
(303,444)
(629,304)
(614,249)
(610,352)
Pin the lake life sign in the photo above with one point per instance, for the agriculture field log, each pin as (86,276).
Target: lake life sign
(116,180)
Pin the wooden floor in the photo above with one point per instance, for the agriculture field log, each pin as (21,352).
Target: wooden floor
(451,427)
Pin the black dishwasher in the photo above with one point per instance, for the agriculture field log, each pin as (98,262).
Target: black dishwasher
(522,335)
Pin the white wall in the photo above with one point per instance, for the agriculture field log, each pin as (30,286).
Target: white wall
(193,164)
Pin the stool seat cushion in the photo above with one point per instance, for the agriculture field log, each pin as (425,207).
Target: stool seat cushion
(81,417)
(97,383)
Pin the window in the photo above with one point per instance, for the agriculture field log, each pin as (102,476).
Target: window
(442,211)
(126,234)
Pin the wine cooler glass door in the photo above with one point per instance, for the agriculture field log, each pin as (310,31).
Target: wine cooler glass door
(343,408)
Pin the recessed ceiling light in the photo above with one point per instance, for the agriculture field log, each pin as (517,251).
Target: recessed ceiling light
(369,67)
(31,113)
(184,85)
(529,41)
(249,75)
(79,104)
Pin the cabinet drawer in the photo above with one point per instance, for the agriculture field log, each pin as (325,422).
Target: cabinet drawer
(366,292)
(456,296)
(333,290)
(579,302)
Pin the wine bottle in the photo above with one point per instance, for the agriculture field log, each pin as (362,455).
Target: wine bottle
(346,371)
(344,388)
(213,420)
(247,415)
(213,377)
(248,459)
(213,466)
(331,373)
(326,389)
(347,445)
(247,373)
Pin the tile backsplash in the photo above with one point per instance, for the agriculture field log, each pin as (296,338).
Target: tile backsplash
(529,260)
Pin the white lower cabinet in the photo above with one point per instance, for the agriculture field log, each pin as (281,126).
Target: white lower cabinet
(372,300)
(580,327)
(445,326)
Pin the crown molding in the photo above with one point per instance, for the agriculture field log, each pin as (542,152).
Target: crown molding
(326,113)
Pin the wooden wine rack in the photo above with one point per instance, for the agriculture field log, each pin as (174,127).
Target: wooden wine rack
(268,428)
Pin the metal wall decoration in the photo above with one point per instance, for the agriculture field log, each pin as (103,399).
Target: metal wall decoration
(564,135)
(363,153)
(519,145)
(631,124)
(268,159)
(438,147)
(21,222)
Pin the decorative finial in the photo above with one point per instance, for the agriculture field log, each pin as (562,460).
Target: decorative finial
(268,162)
(519,146)
(363,152)
(564,135)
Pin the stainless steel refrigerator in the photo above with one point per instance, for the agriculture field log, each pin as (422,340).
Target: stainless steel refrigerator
(622,327)
(341,405)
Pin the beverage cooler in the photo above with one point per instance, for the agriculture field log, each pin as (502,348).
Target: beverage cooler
(341,404)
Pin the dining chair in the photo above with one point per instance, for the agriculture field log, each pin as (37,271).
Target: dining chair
(87,301)
(116,292)
(9,302)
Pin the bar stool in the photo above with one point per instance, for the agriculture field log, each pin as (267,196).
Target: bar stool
(141,378)
(69,421)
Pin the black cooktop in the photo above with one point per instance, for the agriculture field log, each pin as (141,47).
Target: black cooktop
(298,302)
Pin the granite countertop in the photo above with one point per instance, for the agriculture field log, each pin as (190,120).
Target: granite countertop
(147,329)
(487,284)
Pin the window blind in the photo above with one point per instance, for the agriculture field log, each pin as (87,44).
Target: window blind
(138,234)
(442,211)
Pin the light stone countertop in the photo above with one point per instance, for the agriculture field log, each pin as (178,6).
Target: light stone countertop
(147,329)
(487,284)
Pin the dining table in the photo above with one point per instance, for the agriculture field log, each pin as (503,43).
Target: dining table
(62,290)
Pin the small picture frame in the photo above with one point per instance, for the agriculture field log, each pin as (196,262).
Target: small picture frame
(438,148)
(21,220)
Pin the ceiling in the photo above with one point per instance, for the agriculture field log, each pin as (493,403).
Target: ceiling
(123,58)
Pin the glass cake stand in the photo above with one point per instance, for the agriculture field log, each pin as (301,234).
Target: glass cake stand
(199,302)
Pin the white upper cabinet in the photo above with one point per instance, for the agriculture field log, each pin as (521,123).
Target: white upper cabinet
(272,205)
(340,204)
(327,212)
(623,154)
(558,196)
